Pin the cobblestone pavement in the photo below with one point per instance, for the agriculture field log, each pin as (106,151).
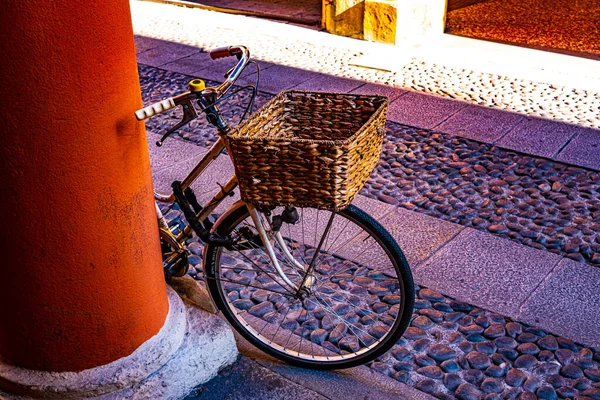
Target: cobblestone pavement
(537,202)
(455,350)
(452,349)
(324,53)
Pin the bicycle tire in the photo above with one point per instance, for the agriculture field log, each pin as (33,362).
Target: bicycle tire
(237,307)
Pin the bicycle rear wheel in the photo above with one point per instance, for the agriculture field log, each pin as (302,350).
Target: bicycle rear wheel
(358,307)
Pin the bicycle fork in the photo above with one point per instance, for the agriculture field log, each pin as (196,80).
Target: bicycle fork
(266,239)
(267,243)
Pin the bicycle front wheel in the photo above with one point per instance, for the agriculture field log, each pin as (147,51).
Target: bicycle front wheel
(360,298)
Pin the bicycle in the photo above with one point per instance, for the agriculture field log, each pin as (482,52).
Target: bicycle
(315,288)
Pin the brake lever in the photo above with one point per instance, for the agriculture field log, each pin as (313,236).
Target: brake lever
(189,114)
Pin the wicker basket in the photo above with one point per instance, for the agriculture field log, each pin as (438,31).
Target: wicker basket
(308,149)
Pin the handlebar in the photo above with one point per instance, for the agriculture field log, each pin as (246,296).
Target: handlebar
(243,56)
(220,52)
(156,108)
(164,105)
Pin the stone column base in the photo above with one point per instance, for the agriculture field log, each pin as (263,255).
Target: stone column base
(189,350)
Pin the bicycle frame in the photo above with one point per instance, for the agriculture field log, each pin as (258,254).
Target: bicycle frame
(215,150)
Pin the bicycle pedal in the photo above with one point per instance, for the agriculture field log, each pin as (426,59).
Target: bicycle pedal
(175,265)
(176,227)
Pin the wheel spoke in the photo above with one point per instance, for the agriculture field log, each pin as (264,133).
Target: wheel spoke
(285,328)
(249,285)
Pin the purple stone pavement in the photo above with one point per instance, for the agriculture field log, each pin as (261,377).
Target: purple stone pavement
(391,92)
(280,78)
(328,83)
(418,235)
(507,275)
(497,274)
(567,302)
(583,150)
(538,137)
(201,65)
(480,123)
(494,273)
(535,136)
(165,53)
(143,44)
(423,111)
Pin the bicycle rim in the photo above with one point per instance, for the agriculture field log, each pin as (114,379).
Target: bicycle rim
(359,304)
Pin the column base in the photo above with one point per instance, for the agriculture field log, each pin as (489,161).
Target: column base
(189,350)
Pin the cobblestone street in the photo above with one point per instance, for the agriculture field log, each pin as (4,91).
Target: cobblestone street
(323,53)
(535,201)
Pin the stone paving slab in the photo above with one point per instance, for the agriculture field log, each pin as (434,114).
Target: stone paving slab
(538,137)
(248,380)
(487,271)
(168,165)
(143,43)
(162,179)
(567,302)
(172,151)
(480,123)
(201,65)
(328,83)
(165,53)
(583,150)
(424,111)
(418,235)
(353,383)
(377,209)
(280,78)
(204,188)
(392,93)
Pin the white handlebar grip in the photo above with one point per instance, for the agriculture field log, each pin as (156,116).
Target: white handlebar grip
(154,109)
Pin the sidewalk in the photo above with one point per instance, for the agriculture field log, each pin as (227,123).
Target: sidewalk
(538,283)
(512,281)
(477,116)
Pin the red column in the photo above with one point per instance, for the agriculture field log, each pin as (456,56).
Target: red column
(81,280)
